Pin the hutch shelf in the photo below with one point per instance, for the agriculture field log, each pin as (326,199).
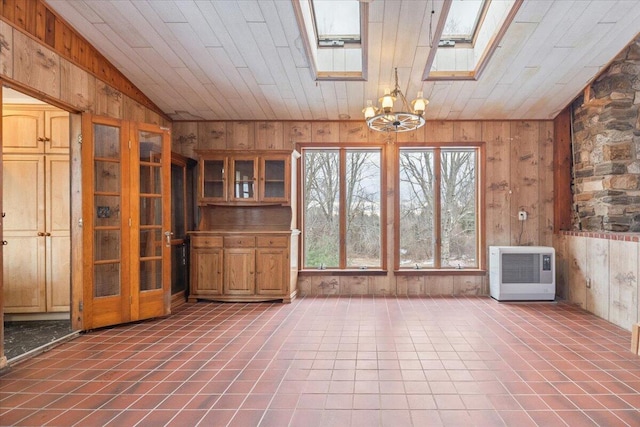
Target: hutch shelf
(246,245)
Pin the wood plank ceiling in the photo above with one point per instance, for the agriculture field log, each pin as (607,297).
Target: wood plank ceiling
(244,60)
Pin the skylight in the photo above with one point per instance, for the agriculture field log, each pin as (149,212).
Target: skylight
(336,22)
(334,37)
(462,20)
(472,30)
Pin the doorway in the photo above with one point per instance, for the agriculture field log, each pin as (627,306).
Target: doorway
(36,224)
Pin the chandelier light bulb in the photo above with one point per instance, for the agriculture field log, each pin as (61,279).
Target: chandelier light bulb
(369,111)
(387,101)
(419,104)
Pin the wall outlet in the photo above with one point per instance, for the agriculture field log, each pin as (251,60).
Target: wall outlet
(522,216)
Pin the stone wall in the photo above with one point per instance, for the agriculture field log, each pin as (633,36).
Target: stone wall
(606,141)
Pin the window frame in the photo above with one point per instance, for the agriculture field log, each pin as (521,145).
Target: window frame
(482,52)
(390,205)
(342,149)
(482,12)
(480,209)
(335,40)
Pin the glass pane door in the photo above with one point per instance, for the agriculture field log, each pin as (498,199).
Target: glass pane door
(105,214)
(126,213)
(244,179)
(151,230)
(274,179)
(213,187)
(151,219)
(107,229)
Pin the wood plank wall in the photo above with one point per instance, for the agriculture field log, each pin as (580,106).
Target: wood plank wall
(599,272)
(28,65)
(563,206)
(518,176)
(35,18)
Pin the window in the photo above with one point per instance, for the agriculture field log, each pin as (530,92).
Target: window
(438,208)
(472,30)
(463,20)
(341,208)
(336,22)
(334,36)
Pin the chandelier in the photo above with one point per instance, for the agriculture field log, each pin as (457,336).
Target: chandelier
(384,119)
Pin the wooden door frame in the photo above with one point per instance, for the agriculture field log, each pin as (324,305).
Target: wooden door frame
(185,164)
(3,358)
(76,206)
(77,291)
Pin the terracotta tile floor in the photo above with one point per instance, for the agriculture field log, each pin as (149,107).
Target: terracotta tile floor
(337,362)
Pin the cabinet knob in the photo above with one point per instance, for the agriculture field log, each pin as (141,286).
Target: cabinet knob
(5,243)
(40,233)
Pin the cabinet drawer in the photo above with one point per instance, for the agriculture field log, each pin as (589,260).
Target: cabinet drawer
(273,241)
(239,241)
(206,241)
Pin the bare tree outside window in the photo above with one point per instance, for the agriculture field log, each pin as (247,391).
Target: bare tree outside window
(363,208)
(416,208)
(437,201)
(321,233)
(457,207)
(323,244)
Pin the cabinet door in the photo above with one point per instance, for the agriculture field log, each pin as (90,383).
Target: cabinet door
(23,131)
(24,272)
(243,179)
(239,271)
(274,179)
(58,233)
(272,267)
(206,272)
(213,179)
(56,129)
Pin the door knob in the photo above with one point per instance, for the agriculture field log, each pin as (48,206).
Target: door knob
(168,235)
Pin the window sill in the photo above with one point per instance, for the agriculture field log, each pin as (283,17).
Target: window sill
(407,272)
(351,272)
(441,272)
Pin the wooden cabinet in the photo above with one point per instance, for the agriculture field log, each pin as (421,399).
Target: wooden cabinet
(206,266)
(36,188)
(34,129)
(246,248)
(272,265)
(256,267)
(37,274)
(242,178)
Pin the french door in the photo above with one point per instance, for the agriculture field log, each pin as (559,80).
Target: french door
(126,221)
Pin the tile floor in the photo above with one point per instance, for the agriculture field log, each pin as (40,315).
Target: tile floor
(337,362)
